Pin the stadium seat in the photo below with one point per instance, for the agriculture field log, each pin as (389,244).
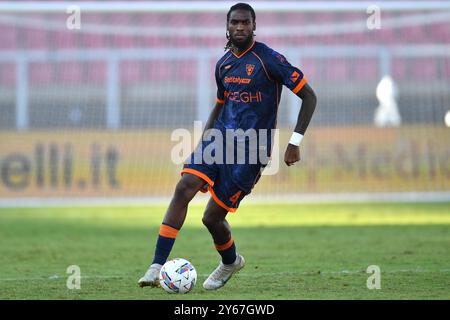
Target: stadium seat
(8,37)
(93,41)
(446,69)
(188,71)
(69,72)
(399,68)
(66,39)
(151,42)
(35,39)
(41,73)
(123,41)
(365,69)
(387,36)
(208,19)
(336,69)
(441,32)
(413,34)
(130,71)
(90,39)
(96,72)
(7,74)
(158,70)
(424,68)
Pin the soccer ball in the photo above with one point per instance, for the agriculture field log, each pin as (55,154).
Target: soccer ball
(177,276)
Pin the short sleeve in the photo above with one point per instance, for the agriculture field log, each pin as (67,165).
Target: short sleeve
(220,98)
(282,71)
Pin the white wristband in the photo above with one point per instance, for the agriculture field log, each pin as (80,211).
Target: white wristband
(296,138)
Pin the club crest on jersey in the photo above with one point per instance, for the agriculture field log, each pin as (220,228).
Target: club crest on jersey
(249,68)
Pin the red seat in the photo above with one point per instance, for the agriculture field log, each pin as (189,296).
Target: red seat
(157,70)
(8,37)
(66,39)
(41,73)
(187,71)
(70,72)
(424,68)
(152,41)
(130,71)
(150,19)
(336,69)
(35,39)
(365,69)
(413,34)
(94,41)
(8,74)
(446,69)
(96,72)
(441,32)
(123,41)
(399,68)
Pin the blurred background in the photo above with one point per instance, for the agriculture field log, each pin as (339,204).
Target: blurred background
(90,93)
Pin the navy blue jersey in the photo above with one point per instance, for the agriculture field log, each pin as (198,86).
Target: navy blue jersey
(249,87)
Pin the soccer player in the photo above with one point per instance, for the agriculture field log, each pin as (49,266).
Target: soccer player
(249,80)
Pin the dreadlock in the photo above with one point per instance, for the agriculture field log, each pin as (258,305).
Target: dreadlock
(238,6)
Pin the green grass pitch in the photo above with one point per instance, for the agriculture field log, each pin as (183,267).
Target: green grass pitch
(302,251)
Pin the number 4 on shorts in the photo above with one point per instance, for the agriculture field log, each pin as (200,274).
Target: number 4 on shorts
(235,197)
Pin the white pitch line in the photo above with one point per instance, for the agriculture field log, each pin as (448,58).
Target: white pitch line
(251,275)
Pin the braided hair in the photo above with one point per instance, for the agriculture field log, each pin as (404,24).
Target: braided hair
(238,6)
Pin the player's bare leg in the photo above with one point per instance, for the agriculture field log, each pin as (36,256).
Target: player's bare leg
(214,220)
(185,190)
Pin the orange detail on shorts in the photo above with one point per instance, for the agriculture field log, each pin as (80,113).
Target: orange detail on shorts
(299,86)
(168,232)
(235,197)
(198,174)
(219,202)
(222,247)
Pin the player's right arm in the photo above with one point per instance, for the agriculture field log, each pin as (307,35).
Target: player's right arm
(213,116)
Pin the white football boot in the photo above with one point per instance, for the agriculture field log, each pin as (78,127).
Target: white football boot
(223,273)
(151,277)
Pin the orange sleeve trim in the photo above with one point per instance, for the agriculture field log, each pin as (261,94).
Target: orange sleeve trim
(168,232)
(219,202)
(198,174)
(222,247)
(299,86)
(219,101)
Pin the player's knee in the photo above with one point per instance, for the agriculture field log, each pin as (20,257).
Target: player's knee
(210,220)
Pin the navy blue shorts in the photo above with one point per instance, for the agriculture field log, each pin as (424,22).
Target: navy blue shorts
(227,183)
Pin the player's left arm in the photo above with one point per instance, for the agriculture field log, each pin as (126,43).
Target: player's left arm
(309,102)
